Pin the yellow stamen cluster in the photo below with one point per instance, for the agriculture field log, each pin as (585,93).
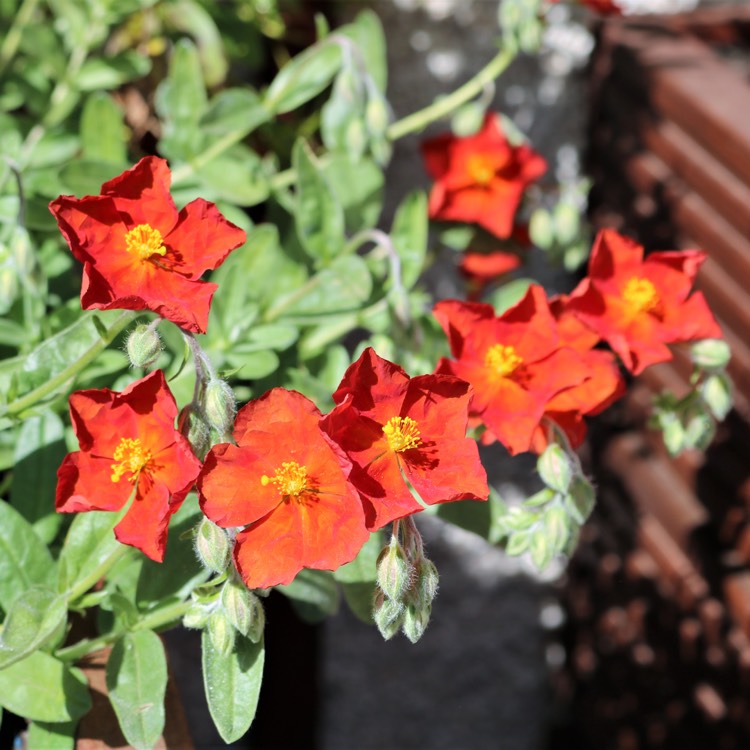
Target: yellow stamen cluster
(130,456)
(502,360)
(481,169)
(402,433)
(290,479)
(145,241)
(640,295)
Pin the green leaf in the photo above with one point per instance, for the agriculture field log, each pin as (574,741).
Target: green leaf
(358,187)
(85,177)
(235,110)
(345,285)
(137,683)
(34,617)
(540,549)
(362,568)
(367,33)
(254,364)
(40,449)
(89,542)
(471,515)
(509,294)
(314,594)
(232,685)
(556,527)
(319,217)
(236,176)
(409,236)
(358,597)
(103,133)
(108,73)
(518,543)
(25,560)
(44,736)
(303,77)
(42,688)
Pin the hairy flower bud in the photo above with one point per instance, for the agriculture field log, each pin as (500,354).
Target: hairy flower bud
(212,546)
(219,405)
(426,583)
(376,115)
(192,424)
(415,621)
(710,354)
(143,346)
(393,570)
(388,615)
(221,632)
(243,609)
(554,468)
(716,391)
(196,617)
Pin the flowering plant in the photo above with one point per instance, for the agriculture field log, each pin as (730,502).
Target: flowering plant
(134,487)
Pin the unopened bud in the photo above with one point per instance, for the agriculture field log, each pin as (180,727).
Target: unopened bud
(219,405)
(416,620)
(143,346)
(699,429)
(376,115)
(541,229)
(427,579)
(567,220)
(221,633)
(581,498)
(196,617)
(716,391)
(673,432)
(242,608)
(554,468)
(710,354)
(388,615)
(468,119)
(355,137)
(212,546)
(393,570)
(192,424)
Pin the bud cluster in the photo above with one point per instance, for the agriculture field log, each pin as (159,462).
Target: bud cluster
(690,421)
(547,523)
(407,584)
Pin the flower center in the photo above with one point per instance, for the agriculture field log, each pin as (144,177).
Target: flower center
(640,295)
(402,433)
(130,456)
(481,169)
(290,479)
(145,241)
(502,360)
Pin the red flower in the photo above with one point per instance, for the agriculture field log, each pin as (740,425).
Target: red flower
(286,482)
(605,7)
(480,178)
(128,444)
(481,269)
(514,362)
(139,252)
(395,428)
(603,386)
(638,306)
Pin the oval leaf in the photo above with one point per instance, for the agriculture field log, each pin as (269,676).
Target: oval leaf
(137,683)
(232,684)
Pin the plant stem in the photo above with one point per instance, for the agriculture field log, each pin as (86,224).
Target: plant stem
(442,107)
(33,397)
(98,572)
(157,620)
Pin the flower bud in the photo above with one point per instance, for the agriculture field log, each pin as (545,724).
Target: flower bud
(541,229)
(242,608)
(700,429)
(567,220)
(212,546)
(196,617)
(393,570)
(581,498)
(221,633)
(416,620)
(388,615)
(554,468)
(710,354)
(143,346)
(673,432)
(716,391)
(426,585)
(192,424)
(468,119)
(376,115)
(219,405)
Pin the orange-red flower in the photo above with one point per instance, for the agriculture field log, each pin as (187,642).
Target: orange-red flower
(481,269)
(128,445)
(397,429)
(605,7)
(480,178)
(515,362)
(286,482)
(139,252)
(638,306)
(603,386)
